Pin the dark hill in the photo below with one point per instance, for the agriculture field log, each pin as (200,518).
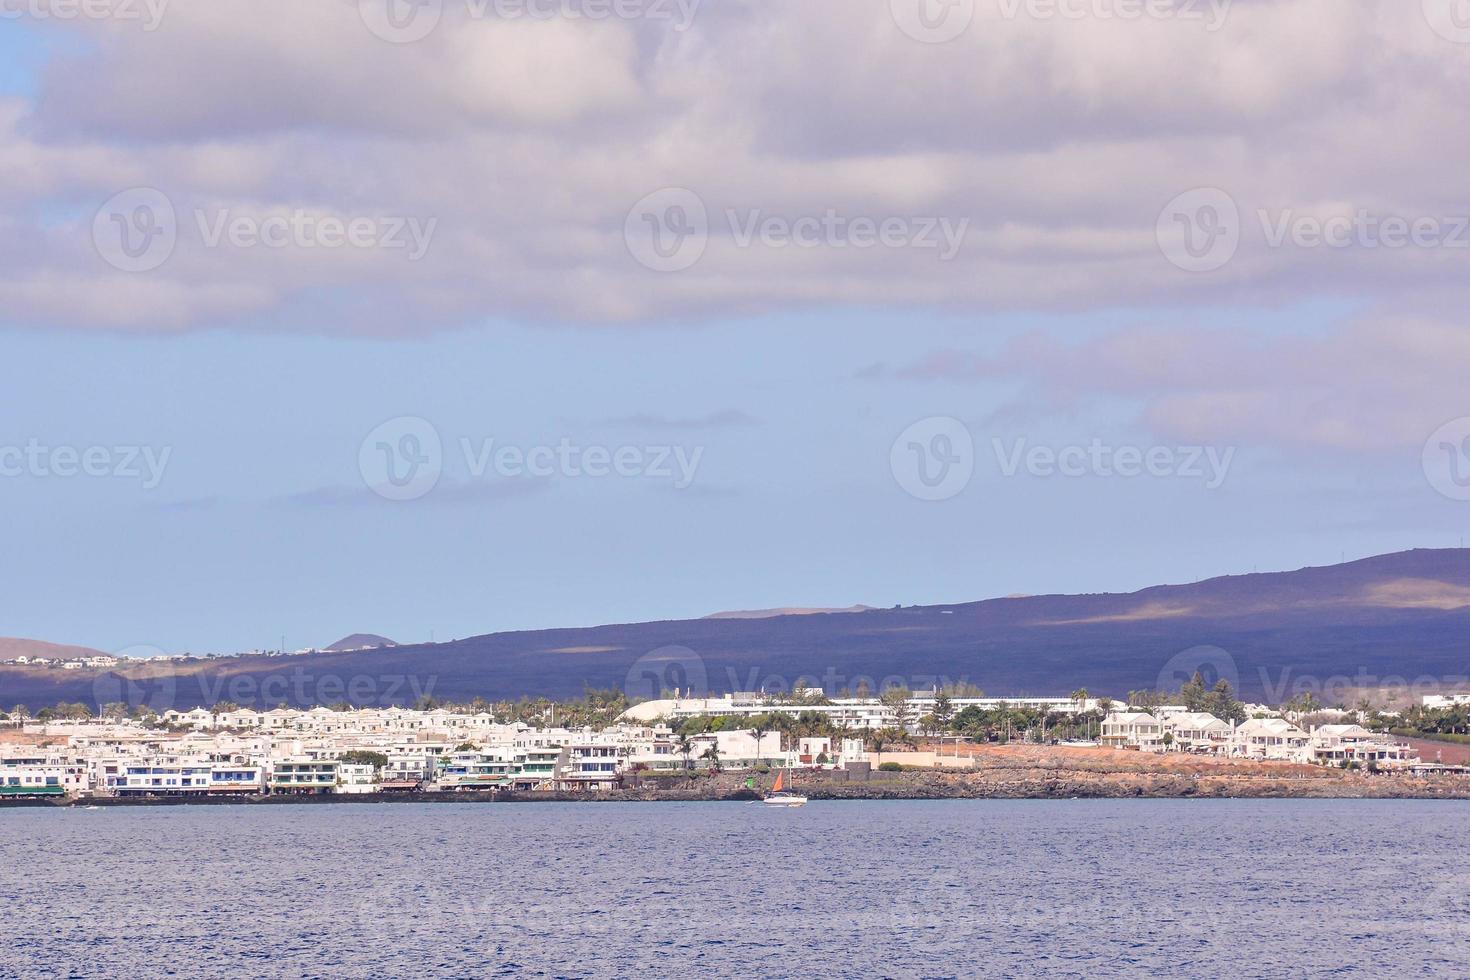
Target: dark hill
(1391,619)
(360,641)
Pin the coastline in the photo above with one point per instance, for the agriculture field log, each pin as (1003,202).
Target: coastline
(926,785)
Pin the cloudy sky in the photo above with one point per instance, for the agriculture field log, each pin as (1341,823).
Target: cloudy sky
(453,316)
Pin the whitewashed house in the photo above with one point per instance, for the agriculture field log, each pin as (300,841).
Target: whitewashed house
(1132,729)
(1196,731)
(1335,744)
(1270,738)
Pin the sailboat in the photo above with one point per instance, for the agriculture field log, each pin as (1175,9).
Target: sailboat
(780,796)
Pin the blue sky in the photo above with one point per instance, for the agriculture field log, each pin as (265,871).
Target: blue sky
(809,382)
(263,526)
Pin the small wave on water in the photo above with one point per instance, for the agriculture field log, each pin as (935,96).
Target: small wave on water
(907,889)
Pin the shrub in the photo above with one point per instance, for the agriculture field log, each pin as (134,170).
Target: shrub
(890,767)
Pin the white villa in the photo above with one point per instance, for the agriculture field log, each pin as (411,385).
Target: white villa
(1258,738)
(1132,729)
(857,713)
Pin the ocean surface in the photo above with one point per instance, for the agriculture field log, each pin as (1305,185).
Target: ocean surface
(1086,888)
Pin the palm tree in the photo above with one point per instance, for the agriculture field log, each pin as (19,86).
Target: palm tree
(759,726)
(879,738)
(684,745)
(784,723)
(713,755)
(1079,698)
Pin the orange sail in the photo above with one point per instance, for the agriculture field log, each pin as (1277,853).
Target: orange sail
(779,777)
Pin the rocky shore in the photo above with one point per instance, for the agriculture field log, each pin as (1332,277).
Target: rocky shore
(990,772)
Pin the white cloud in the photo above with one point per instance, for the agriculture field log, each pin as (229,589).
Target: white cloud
(1059,141)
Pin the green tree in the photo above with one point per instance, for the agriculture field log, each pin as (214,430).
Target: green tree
(1192,694)
(943,711)
(362,757)
(684,745)
(896,700)
(759,726)
(712,755)
(1221,702)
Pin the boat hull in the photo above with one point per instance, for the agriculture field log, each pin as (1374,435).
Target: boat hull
(784,801)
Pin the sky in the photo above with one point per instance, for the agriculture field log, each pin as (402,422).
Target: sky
(440,318)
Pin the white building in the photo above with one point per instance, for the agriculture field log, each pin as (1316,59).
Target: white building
(1132,729)
(39,772)
(1269,738)
(1333,744)
(858,713)
(1196,731)
(163,775)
